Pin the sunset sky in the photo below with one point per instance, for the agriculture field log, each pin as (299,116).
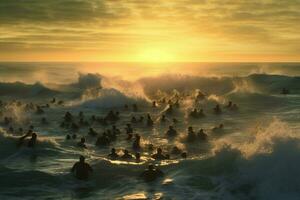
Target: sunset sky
(150,31)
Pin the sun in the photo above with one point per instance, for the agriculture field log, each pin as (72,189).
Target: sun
(155,55)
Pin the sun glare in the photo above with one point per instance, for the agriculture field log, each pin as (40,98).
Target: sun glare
(155,55)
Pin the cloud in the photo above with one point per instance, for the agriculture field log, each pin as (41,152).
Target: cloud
(101,24)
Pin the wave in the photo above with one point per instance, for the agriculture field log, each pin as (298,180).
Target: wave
(19,89)
(109,98)
(254,83)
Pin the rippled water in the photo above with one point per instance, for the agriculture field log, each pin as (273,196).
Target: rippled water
(256,156)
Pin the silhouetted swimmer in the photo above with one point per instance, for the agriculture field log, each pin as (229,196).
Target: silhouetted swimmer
(169,109)
(171,132)
(137,157)
(151,174)
(129,129)
(154,104)
(234,107)
(82,143)
(218,128)
(126,107)
(184,155)
(176,150)
(201,135)
(81,115)
(150,147)
(93,118)
(149,120)
(68,137)
(21,140)
(126,155)
(92,132)
(217,109)
(141,120)
(20,130)
(53,100)
(113,155)
(111,116)
(200,96)
(194,113)
(134,107)
(32,141)
(102,140)
(39,110)
(163,119)
(285,91)
(68,117)
(115,130)
(7,120)
(11,129)
(61,102)
(175,121)
(133,119)
(137,142)
(81,169)
(176,104)
(74,136)
(158,155)
(191,135)
(229,104)
(44,120)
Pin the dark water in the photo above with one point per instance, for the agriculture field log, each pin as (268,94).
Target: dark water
(256,156)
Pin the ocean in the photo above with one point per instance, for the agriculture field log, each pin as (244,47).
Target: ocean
(255,156)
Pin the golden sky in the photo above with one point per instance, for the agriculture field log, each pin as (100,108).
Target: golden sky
(150,30)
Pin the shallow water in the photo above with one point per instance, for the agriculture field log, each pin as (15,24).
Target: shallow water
(256,156)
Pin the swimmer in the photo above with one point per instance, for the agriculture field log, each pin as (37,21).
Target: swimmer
(81,169)
(171,132)
(113,155)
(82,143)
(158,155)
(151,174)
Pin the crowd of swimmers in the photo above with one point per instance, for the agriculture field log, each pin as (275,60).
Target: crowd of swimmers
(81,169)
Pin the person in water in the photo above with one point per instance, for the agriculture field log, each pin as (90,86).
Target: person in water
(115,130)
(163,119)
(82,143)
(234,107)
(126,155)
(137,157)
(21,140)
(82,169)
(194,113)
(141,120)
(191,135)
(176,150)
(218,128)
(154,105)
(137,142)
(133,119)
(149,120)
(171,132)
(32,141)
(92,132)
(201,135)
(285,91)
(102,140)
(128,129)
(229,104)
(169,110)
(134,107)
(68,117)
(113,155)
(159,155)
(217,109)
(151,174)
